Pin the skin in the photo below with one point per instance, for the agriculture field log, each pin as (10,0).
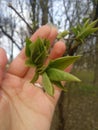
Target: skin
(22,105)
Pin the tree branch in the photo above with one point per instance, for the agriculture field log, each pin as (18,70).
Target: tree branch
(10,37)
(10,6)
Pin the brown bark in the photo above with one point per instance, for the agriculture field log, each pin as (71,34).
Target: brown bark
(96,47)
(44,8)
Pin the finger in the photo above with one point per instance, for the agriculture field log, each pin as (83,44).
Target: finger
(58,50)
(17,67)
(53,34)
(3,62)
(69,68)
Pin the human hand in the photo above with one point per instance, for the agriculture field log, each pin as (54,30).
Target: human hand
(22,105)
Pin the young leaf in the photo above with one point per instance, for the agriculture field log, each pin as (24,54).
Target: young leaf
(35,78)
(59,85)
(86,33)
(40,59)
(36,48)
(47,84)
(29,63)
(83,31)
(46,44)
(92,24)
(63,62)
(27,50)
(59,75)
(39,51)
(86,23)
(75,31)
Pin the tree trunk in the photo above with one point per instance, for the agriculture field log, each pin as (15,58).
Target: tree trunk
(44,8)
(96,48)
(34,15)
(96,64)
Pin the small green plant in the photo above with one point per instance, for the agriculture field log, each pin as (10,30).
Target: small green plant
(77,35)
(53,72)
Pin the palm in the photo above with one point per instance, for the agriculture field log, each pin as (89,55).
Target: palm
(22,105)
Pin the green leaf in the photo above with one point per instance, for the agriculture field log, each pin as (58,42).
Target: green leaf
(39,51)
(27,50)
(35,78)
(36,48)
(46,43)
(83,31)
(39,61)
(59,75)
(75,31)
(86,33)
(92,30)
(59,85)
(63,62)
(47,84)
(92,24)
(86,23)
(79,27)
(29,63)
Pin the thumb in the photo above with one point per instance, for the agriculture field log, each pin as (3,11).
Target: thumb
(3,62)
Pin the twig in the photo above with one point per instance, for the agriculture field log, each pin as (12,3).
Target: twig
(10,6)
(10,37)
(70,39)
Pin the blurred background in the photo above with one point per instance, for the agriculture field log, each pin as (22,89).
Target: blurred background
(77,109)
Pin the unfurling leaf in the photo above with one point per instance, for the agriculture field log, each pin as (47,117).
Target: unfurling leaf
(63,62)
(47,84)
(59,75)
(36,52)
(27,50)
(87,21)
(83,31)
(29,63)
(92,24)
(40,59)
